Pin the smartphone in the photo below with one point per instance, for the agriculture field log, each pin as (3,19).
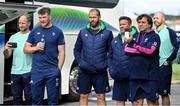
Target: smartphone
(13,44)
(126,34)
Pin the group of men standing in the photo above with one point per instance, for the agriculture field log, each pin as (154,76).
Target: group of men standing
(139,62)
(134,60)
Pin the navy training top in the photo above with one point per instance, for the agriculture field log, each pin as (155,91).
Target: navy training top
(49,57)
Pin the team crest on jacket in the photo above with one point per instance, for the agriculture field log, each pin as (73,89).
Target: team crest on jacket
(155,43)
(38,33)
(86,35)
(53,34)
(146,40)
(115,41)
(102,35)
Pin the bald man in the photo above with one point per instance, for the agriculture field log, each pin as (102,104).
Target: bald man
(21,64)
(168,52)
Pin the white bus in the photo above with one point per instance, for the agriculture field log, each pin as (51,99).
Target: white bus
(70,16)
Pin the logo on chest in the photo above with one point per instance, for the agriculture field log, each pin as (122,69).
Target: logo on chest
(102,35)
(53,34)
(86,35)
(115,41)
(146,40)
(38,33)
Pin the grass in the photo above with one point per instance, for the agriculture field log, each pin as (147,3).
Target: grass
(176,72)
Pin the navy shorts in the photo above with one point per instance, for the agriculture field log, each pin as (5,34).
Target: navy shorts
(164,82)
(98,81)
(143,89)
(120,90)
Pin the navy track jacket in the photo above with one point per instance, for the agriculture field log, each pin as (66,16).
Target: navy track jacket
(144,52)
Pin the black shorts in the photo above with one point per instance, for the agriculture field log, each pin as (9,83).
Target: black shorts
(164,82)
(86,81)
(121,90)
(143,89)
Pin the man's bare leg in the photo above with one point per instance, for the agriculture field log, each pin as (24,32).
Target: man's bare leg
(120,103)
(151,103)
(165,100)
(101,99)
(83,99)
(138,102)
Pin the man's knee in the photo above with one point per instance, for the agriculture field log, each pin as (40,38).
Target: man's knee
(138,102)
(100,96)
(84,96)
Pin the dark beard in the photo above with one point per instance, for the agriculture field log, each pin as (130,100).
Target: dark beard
(94,26)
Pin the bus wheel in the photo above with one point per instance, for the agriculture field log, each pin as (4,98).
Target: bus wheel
(73,95)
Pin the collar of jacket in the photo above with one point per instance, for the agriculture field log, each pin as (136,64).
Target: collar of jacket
(101,24)
(160,27)
(133,31)
(145,33)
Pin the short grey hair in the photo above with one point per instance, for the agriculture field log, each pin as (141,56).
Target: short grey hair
(96,10)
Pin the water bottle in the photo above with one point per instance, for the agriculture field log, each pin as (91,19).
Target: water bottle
(43,42)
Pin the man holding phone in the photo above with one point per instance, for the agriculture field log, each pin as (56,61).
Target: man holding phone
(118,61)
(21,64)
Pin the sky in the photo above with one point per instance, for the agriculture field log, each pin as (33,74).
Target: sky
(171,7)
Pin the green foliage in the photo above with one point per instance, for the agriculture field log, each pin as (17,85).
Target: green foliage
(176,72)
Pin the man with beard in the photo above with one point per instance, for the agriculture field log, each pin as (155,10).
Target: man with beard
(21,67)
(47,44)
(90,51)
(118,61)
(168,52)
